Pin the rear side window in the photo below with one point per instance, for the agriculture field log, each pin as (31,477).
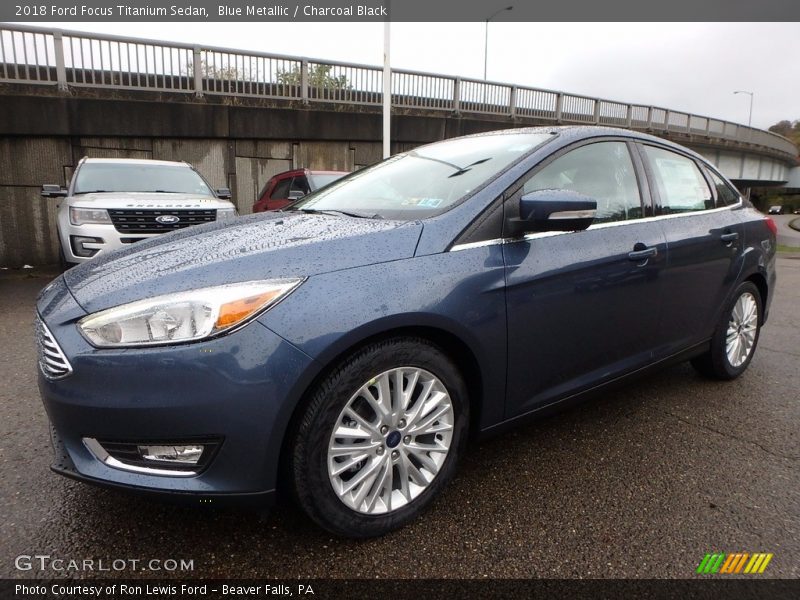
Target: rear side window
(603,171)
(681,185)
(726,196)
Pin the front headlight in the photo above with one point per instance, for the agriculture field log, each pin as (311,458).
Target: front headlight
(225,213)
(87,216)
(185,316)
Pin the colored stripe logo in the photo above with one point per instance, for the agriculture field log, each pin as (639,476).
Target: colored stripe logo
(734,562)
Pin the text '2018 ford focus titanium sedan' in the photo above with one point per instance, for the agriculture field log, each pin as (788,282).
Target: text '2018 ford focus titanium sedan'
(353,343)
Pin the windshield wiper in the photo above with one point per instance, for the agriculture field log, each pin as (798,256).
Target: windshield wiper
(458,170)
(331,211)
(91,192)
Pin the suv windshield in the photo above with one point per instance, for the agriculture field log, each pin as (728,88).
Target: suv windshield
(137,177)
(424,181)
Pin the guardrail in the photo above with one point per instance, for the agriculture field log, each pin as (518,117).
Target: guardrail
(69,58)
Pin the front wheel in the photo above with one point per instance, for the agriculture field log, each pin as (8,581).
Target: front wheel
(735,337)
(380,438)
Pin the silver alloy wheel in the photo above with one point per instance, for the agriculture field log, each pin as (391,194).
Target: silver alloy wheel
(390,440)
(742,327)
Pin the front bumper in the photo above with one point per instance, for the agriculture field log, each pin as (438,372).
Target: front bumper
(240,389)
(96,239)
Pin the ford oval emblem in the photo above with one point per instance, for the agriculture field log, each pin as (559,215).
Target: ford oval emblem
(167,219)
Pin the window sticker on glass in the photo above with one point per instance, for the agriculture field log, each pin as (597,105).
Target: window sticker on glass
(430,202)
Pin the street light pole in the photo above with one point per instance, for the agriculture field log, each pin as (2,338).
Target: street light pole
(750,115)
(387,90)
(486,38)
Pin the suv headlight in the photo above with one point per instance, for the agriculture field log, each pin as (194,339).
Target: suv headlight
(86,216)
(185,316)
(225,213)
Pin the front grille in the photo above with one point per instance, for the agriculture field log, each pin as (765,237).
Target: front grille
(137,220)
(52,362)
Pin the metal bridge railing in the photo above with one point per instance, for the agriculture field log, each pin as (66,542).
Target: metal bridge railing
(67,58)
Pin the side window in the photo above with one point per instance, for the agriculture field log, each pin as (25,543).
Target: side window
(281,190)
(726,196)
(299,184)
(680,183)
(603,171)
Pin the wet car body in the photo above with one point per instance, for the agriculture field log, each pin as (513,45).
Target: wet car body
(531,321)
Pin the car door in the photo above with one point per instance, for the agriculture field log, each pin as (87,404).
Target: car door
(583,306)
(705,237)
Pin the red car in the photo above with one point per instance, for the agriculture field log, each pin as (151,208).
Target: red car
(288,187)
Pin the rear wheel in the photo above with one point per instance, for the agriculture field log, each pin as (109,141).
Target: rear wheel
(380,438)
(735,337)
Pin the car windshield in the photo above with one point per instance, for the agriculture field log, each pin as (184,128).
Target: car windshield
(426,181)
(139,177)
(319,180)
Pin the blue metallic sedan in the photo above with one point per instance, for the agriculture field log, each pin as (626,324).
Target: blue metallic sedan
(346,349)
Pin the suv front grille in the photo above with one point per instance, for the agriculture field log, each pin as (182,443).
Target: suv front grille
(137,220)
(52,362)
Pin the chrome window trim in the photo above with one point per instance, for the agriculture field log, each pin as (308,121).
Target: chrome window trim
(97,450)
(546,234)
(572,214)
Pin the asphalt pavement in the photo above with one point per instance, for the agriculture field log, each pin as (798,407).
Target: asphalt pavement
(640,482)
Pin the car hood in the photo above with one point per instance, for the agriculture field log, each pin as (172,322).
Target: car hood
(262,246)
(147,200)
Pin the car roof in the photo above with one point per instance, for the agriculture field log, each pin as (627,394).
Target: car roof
(574,133)
(308,172)
(136,161)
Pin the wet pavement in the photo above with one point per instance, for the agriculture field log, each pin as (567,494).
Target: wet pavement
(639,482)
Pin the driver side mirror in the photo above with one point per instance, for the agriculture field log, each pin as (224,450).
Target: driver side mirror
(223,193)
(53,191)
(295,195)
(552,210)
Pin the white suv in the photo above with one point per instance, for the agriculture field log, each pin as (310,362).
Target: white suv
(114,202)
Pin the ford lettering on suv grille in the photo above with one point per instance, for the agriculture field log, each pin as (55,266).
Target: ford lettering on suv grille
(52,362)
(162,220)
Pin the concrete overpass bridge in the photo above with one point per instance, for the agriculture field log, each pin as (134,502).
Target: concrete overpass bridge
(241,117)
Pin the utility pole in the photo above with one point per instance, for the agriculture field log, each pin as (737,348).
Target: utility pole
(387,89)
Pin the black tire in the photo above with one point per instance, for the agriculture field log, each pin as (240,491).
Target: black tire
(715,363)
(309,456)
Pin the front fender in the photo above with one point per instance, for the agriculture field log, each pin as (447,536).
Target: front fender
(458,293)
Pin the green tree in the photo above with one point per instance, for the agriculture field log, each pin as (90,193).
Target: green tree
(783,128)
(212,71)
(319,76)
(788,129)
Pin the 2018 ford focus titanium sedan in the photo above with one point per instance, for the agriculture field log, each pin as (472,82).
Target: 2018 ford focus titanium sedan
(353,343)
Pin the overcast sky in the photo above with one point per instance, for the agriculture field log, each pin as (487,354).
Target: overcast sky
(692,67)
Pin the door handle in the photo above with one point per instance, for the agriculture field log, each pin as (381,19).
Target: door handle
(729,238)
(644,254)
